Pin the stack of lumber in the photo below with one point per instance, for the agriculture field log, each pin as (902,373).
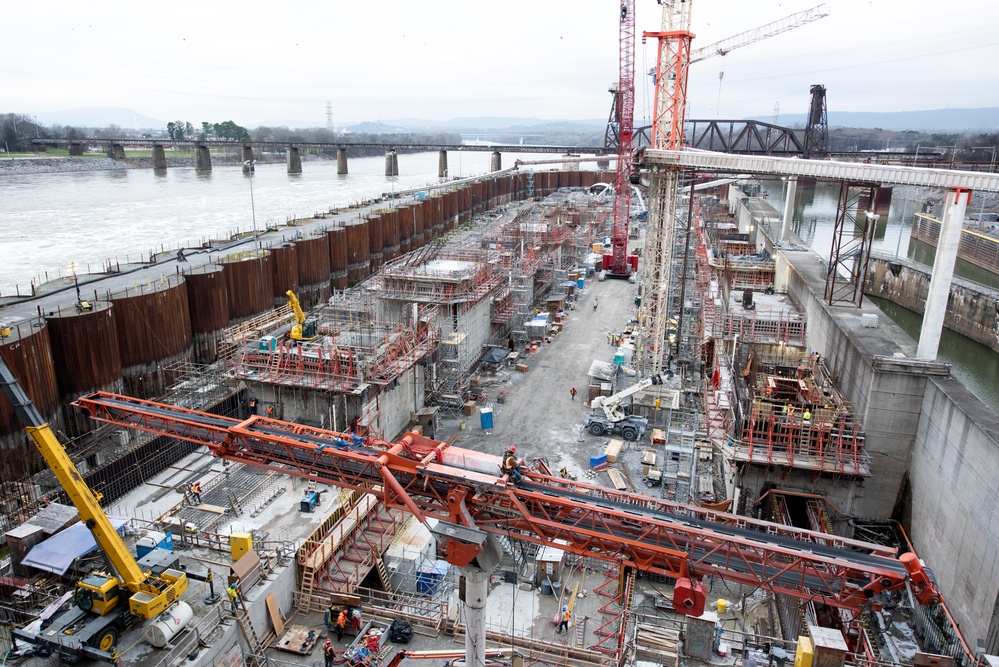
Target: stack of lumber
(658,644)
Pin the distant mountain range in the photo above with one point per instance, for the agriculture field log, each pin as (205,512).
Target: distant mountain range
(936,120)
(942,120)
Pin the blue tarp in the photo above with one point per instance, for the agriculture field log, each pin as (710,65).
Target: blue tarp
(56,554)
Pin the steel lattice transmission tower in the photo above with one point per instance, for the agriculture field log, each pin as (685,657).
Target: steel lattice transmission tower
(329,118)
(669,112)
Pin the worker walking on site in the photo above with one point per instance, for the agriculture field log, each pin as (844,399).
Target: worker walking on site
(180,256)
(572,392)
(328,653)
(594,304)
(341,623)
(563,621)
(196,493)
(511,465)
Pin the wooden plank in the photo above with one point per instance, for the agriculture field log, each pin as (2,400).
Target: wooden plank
(275,614)
(297,640)
(649,457)
(617,479)
(613,449)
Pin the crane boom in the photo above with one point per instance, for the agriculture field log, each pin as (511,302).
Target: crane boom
(625,104)
(764,31)
(463,490)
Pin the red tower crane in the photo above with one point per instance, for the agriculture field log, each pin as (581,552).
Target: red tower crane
(618,263)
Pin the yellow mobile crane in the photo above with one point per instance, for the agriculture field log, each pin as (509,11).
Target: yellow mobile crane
(303,329)
(104,605)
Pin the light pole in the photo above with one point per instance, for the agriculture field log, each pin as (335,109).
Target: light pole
(249,164)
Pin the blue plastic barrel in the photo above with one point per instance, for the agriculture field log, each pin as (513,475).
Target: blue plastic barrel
(486,418)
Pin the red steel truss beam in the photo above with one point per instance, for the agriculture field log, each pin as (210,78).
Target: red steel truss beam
(432,480)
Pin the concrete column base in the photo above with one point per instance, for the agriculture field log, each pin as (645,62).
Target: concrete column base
(495,161)
(442,164)
(341,161)
(202,158)
(246,155)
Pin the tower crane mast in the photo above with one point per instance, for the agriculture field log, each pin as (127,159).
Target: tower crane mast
(669,113)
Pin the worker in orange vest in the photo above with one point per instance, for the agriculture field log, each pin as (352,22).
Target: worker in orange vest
(564,618)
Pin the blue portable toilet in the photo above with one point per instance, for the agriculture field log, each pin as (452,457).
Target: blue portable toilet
(486,418)
(580,283)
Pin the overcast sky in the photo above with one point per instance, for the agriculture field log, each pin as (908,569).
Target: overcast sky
(440,59)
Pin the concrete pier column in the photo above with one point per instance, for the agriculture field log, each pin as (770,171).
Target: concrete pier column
(294,160)
(246,155)
(202,158)
(792,188)
(476,590)
(391,163)
(117,152)
(75,150)
(955,204)
(495,161)
(341,161)
(442,164)
(159,157)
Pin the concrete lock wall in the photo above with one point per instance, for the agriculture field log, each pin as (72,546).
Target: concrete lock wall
(972,310)
(393,407)
(954,503)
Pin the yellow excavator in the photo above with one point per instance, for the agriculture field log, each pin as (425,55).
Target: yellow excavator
(303,329)
(104,604)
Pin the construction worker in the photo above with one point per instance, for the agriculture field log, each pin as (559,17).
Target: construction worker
(270,411)
(233,592)
(253,405)
(572,392)
(180,256)
(511,465)
(341,623)
(196,492)
(594,304)
(806,417)
(328,653)
(563,621)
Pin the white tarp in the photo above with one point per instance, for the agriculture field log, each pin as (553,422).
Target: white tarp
(601,370)
(56,554)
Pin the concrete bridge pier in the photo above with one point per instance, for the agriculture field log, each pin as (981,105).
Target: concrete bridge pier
(792,189)
(117,152)
(341,161)
(955,206)
(246,156)
(159,157)
(75,150)
(391,163)
(202,158)
(442,164)
(495,161)
(294,160)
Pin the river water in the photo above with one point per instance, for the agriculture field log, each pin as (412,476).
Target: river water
(815,209)
(48,222)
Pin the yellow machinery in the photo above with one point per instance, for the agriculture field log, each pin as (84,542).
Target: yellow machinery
(100,614)
(303,329)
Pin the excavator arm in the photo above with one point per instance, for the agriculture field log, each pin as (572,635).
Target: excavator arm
(150,595)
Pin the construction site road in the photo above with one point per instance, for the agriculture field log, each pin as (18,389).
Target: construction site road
(539,415)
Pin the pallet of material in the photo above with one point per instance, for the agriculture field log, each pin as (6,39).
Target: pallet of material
(656,643)
(617,479)
(658,436)
(613,449)
(298,639)
(522,368)
(649,457)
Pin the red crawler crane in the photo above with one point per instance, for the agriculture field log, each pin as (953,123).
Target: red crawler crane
(618,262)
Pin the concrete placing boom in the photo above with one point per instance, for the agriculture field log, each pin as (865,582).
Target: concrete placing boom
(463,489)
(99,615)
